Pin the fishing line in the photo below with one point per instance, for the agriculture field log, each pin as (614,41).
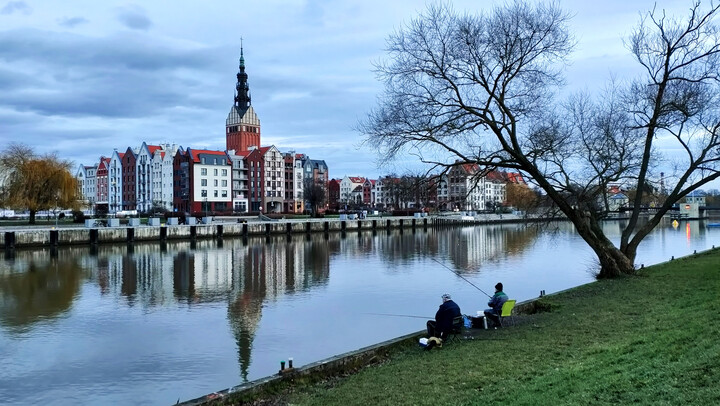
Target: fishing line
(458,274)
(399,315)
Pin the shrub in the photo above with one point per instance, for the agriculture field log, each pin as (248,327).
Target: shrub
(78,216)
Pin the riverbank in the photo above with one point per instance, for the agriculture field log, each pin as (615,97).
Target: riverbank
(646,339)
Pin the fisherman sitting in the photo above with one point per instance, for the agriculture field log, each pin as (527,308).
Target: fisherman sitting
(442,325)
(496,303)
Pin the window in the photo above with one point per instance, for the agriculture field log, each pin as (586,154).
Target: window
(215,193)
(203,193)
(203,171)
(224,172)
(203,182)
(224,182)
(215,172)
(215,182)
(224,193)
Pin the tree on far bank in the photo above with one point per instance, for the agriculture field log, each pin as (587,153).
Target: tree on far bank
(521,197)
(34,183)
(480,89)
(314,193)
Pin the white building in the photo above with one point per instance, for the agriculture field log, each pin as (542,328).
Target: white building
(347,186)
(239,182)
(162,175)
(115,182)
(88,184)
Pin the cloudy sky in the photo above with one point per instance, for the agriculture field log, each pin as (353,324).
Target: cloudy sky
(82,77)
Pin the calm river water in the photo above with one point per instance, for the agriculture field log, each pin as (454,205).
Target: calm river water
(154,323)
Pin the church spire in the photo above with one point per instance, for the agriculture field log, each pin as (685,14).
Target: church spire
(242,90)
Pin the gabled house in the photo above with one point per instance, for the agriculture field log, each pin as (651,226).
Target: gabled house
(347,186)
(86,176)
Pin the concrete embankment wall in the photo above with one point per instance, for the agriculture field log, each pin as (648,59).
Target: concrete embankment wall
(11,239)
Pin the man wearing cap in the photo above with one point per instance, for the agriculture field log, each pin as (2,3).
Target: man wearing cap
(496,303)
(442,325)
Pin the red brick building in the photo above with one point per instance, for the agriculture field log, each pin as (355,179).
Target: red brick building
(129,180)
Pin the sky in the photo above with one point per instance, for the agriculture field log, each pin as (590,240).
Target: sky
(84,77)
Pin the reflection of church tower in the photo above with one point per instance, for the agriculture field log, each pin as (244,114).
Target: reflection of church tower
(246,310)
(242,127)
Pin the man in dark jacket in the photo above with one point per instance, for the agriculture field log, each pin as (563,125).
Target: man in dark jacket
(496,303)
(442,325)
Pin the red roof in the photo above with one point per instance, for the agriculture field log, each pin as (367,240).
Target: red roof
(356,179)
(153,148)
(196,152)
(121,154)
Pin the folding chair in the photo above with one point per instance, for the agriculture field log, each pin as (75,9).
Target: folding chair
(457,325)
(507,312)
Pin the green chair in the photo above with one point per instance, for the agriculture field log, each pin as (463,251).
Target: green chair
(507,312)
(457,325)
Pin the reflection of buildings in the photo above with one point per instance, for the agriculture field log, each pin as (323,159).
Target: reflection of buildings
(471,247)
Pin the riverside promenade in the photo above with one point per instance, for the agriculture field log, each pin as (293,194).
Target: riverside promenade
(29,236)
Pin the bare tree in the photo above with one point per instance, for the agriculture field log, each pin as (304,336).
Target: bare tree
(480,89)
(314,192)
(32,182)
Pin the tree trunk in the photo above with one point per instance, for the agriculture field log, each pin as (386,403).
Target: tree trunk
(613,262)
(32,216)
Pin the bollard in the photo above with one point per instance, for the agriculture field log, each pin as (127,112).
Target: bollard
(9,240)
(94,236)
(290,360)
(282,365)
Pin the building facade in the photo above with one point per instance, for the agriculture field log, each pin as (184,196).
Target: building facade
(203,182)
(87,182)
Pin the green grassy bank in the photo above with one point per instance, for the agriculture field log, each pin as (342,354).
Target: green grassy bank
(647,339)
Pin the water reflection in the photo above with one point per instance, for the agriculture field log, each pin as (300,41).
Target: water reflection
(43,289)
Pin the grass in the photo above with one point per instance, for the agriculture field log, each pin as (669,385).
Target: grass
(646,339)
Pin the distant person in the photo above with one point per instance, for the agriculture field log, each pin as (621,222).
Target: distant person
(442,325)
(496,303)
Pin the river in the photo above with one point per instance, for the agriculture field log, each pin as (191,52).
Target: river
(157,322)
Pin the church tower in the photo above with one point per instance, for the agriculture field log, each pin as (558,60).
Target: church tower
(242,127)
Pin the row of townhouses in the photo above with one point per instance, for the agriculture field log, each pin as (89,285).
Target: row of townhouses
(463,187)
(244,177)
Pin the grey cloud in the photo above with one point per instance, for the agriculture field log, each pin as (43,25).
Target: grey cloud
(13,6)
(71,22)
(126,76)
(134,18)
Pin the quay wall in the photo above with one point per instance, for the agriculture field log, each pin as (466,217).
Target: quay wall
(35,237)
(18,238)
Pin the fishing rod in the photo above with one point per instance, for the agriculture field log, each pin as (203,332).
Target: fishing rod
(399,315)
(458,274)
